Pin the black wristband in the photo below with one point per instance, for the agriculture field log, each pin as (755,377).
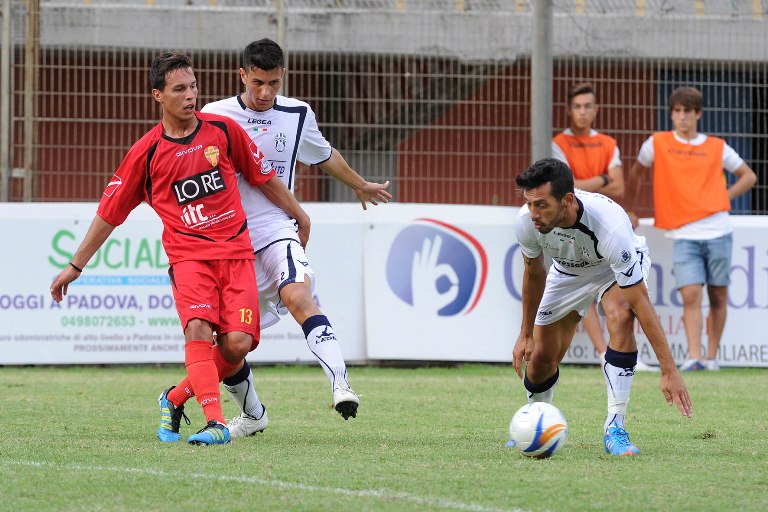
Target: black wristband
(605,179)
(76,267)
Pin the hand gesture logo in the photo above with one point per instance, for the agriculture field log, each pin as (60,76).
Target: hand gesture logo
(437,268)
(434,285)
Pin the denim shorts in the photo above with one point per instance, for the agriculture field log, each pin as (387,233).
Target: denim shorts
(703,261)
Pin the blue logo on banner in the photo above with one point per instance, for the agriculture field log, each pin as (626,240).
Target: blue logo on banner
(437,268)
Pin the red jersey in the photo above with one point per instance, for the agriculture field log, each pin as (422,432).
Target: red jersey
(191,184)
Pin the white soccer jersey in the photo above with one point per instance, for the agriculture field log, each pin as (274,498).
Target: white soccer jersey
(601,242)
(285,133)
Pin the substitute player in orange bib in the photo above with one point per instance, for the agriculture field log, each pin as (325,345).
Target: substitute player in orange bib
(691,201)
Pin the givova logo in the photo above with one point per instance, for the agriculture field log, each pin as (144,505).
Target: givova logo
(437,268)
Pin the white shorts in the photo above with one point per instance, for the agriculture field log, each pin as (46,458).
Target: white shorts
(566,293)
(278,264)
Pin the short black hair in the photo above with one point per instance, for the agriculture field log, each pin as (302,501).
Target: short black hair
(263,54)
(547,170)
(164,64)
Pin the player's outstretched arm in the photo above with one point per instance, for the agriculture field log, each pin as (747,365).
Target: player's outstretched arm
(366,191)
(672,385)
(278,193)
(97,234)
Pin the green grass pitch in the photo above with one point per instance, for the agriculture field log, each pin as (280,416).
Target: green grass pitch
(83,438)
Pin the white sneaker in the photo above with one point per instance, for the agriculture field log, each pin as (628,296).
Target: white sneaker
(345,401)
(711,365)
(245,425)
(691,365)
(642,367)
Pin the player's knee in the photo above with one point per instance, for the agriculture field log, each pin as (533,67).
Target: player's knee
(301,304)
(718,300)
(234,348)
(620,319)
(198,329)
(544,362)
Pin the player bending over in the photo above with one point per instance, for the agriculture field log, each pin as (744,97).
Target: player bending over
(596,256)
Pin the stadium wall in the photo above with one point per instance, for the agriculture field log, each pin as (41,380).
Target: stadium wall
(464,306)
(431,95)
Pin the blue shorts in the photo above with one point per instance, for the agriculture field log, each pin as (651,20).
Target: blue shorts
(703,261)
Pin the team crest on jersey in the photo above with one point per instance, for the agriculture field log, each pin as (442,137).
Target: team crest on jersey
(212,155)
(625,256)
(280,140)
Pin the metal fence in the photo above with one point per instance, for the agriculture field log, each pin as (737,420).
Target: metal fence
(433,95)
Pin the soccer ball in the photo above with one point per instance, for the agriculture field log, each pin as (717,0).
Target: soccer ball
(538,430)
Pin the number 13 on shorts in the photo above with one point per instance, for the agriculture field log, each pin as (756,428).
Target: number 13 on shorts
(246,315)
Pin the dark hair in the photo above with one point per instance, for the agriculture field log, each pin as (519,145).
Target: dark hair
(688,97)
(164,64)
(581,88)
(263,54)
(547,170)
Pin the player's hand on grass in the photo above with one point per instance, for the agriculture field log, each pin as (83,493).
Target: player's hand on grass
(373,193)
(675,392)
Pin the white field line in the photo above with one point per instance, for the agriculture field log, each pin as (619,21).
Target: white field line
(380,494)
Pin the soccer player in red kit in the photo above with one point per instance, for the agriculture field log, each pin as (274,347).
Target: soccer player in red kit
(185,168)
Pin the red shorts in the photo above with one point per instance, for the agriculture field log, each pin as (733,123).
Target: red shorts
(221,292)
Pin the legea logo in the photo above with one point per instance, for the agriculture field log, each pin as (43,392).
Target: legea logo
(437,268)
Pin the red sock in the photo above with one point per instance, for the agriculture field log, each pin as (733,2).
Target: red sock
(224,367)
(184,391)
(201,371)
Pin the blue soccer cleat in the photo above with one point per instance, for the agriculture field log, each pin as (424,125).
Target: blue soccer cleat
(617,442)
(170,419)
(213,433)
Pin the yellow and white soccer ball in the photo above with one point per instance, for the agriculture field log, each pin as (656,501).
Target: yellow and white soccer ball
(538,430)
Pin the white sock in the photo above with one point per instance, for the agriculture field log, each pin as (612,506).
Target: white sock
(240,387)
(322,341)
(619,371)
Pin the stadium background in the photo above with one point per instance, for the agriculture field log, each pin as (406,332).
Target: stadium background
(434,95)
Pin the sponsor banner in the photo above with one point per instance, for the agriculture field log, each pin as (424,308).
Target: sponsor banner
(121,310)
(438,282)
(397,282)
(445,283)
